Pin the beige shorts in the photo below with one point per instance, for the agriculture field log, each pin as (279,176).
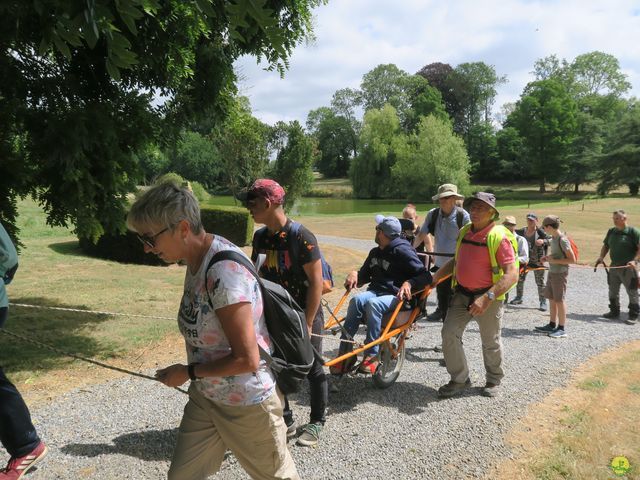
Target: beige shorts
(556,288)
(256,434)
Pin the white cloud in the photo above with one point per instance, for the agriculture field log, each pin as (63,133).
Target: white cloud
(354,36)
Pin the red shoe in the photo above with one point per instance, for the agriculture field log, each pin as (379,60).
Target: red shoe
(369,365)
(18,466)
(343,367)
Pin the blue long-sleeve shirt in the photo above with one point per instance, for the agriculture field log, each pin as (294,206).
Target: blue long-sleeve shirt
(387,269)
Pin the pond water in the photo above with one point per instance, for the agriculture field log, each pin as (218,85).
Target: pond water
(342,206)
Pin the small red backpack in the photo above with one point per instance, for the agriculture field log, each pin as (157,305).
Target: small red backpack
(574,247)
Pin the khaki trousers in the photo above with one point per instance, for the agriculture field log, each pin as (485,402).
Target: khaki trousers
(489,323)
(256,435)
(628,277)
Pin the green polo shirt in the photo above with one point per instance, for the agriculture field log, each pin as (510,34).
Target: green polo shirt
(623,245)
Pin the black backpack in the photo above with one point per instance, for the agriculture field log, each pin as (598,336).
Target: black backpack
(436,214)
(293,354)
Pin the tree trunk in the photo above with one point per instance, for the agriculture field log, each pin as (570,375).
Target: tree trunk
(542,186)
(633,188)
(576,188)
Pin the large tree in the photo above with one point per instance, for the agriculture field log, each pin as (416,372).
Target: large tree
(292,168)
(380,138)
(335,140)
(545,117)
(81,81)
(243,145)
(410,95)
(439,76)
(620,164)
(431,156)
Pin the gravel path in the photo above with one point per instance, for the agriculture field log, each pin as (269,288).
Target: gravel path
(125,429)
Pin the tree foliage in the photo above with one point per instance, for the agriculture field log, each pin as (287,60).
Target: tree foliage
(242,142)
(80,80)
(335,140)
(545,117)
(431,156)
(292,168)
(196,158)
(371,169)
(620,164)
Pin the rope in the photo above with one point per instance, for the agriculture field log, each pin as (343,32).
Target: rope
(84,359)
(97,312)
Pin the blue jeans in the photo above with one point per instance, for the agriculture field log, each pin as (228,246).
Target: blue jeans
(372,307)
(17,433)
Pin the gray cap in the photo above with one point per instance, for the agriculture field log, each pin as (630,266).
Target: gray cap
(447,190)
(488,198)
(390,226)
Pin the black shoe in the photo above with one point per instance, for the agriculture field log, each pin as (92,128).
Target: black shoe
(516,301)
(548,328)
(611,315)
(436,316)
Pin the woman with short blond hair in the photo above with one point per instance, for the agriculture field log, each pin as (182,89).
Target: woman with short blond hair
(233,401)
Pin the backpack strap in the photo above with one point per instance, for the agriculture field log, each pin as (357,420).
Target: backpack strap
(459,217)
(294,247)
(246,263)
(436,214)
(434,219)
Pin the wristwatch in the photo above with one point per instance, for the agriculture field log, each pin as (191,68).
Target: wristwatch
(491,295)
(191,371)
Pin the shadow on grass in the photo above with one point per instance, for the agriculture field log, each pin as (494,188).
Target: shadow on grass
(59,329)
(68,248)
(151,445)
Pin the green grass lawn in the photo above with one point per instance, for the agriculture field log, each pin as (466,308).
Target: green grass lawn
(54,272)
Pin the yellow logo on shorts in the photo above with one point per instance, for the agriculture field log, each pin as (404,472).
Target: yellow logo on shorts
(620,465)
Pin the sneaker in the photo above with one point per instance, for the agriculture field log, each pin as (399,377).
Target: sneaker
(436,316)
(452,388)
(437,348)
(369,365)
(558,333)
(548,328)
(611,315)
(292,428)
(310,434)
(490,390)
(631,321)
(516,301)
(343,367)
(18,466)
(543,306)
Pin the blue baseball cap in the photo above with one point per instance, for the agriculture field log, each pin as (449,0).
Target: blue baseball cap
(390,226)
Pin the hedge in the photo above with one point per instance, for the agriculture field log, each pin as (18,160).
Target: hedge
(233,223)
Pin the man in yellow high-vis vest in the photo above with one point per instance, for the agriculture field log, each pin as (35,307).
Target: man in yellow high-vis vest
(484,268)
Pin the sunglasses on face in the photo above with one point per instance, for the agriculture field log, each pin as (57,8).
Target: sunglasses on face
(150,240)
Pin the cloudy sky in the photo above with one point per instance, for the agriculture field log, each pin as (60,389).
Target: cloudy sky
(354,36)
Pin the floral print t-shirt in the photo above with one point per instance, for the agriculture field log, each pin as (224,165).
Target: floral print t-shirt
(227,283)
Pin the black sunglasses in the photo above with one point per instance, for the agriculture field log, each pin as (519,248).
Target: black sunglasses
(150,240)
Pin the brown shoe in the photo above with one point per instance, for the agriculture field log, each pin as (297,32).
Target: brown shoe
(490,390)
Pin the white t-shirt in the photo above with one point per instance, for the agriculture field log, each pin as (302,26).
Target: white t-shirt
(228,283)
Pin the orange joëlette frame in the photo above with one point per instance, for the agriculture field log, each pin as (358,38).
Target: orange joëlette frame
(387,333)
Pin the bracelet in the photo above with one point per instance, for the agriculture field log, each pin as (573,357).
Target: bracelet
(191,370)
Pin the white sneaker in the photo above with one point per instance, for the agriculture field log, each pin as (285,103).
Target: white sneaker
(558,333)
